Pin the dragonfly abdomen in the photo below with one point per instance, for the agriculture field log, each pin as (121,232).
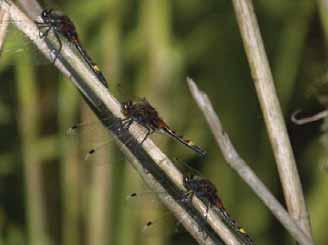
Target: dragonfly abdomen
(186,142)
(96,70)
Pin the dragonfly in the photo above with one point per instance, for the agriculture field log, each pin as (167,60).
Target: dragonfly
(145,114)
(205,189)
(62,25)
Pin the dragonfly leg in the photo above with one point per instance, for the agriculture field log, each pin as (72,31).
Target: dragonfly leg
(38,23)
(57,51)
(149,132)
(41,24)
(206,211)
(187,197)
(44,34)
(126,123)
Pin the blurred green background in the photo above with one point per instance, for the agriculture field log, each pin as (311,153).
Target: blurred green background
(50,195)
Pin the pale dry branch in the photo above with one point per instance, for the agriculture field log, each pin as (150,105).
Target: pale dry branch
(154,167)
(4,17)
(240,166)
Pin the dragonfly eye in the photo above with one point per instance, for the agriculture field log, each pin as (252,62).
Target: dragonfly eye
(44,13)
(125,108)
(127,105)
(186,180)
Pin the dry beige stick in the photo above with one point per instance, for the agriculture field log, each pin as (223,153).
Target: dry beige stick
(4,17)
(240,166)
(101,100)
(32,7)
(273,117)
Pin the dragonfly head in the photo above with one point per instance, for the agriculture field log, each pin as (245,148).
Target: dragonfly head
(188,181)
(46,14)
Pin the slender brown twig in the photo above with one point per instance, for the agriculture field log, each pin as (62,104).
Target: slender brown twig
(240,166)
(273,117)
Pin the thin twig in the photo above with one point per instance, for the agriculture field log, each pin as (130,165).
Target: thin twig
(160,174)
(240,166)
(305,120)
(273,117)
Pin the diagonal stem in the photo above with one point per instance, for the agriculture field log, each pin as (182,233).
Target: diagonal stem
(240,166)
(153,166)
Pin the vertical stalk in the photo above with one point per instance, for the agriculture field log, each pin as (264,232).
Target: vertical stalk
(98,191)
(155,78)
(269,102)
(70,165)
(290,50)
(323,9)
(28,123)
(318,199)
(101,226)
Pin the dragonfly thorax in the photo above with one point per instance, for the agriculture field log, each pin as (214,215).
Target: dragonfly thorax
(202,188)
(143,113)
(60,23)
